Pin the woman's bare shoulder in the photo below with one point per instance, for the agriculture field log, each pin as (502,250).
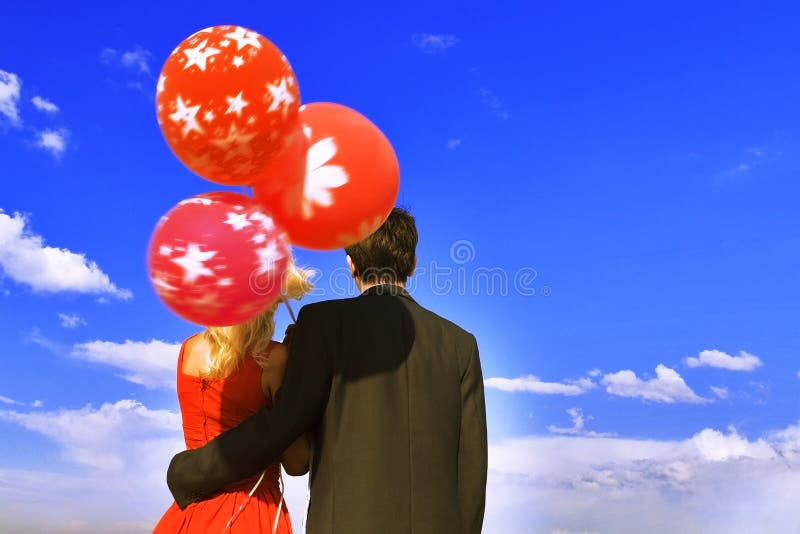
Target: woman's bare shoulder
(195,354)
(195,342)
(278,353)
(272,374)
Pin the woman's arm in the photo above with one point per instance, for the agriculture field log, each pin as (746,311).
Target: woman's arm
(296,457)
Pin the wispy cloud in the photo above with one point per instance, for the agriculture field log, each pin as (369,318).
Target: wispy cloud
(54,141)
(42,104)
(532,384)
(667,387)
(454,143)
(148,363)
(749,160)
(26,259)
(71,321)
(434,43)
(137,59)
(492,101)
(720,392)
(10,401)
(135,65)
(721,360)
(13,402)
(35,336)
(10,86)
(578,425)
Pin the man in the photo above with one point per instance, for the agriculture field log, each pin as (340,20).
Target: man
(391,397)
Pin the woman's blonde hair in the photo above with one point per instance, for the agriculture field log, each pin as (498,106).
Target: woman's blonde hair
(230,344)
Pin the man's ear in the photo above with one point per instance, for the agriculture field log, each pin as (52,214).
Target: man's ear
(351,266)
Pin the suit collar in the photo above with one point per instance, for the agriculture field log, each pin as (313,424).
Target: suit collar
(386,289)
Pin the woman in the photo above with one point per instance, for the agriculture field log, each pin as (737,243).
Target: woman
(225,375)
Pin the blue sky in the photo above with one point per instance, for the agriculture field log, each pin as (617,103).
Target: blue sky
(628,171)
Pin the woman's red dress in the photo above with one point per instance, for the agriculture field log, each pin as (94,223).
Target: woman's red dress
(210,407)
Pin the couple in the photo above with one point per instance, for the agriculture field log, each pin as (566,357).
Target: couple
(381,399)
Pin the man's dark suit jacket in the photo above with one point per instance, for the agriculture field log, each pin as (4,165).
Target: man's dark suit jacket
(391,396)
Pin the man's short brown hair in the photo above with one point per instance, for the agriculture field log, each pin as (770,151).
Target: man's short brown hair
(389,253)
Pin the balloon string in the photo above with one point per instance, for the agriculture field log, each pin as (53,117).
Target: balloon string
(280,504)
(289,307)
(249,495)
(258,483)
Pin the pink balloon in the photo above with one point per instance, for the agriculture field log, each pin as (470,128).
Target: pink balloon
(217,259)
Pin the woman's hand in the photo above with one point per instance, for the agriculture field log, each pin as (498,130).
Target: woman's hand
(295,458)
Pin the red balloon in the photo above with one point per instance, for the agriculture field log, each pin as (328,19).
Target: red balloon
(217,259)
(227,101)
(349,184)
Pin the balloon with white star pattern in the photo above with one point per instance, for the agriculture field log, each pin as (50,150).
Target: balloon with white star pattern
(342,188)
(217,259)
(227,102)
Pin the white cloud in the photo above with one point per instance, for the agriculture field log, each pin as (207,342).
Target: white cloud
(716,358)
(10,85)
(713,481)
(532,384)
(720,392)
(151,363)
(454,143)
(120,450)
(42,104)
(667,387)
(26,259)
(493,102)
(97,437)
(434,43)
(71,321)
(595,372)
(54,141)
(117,458)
